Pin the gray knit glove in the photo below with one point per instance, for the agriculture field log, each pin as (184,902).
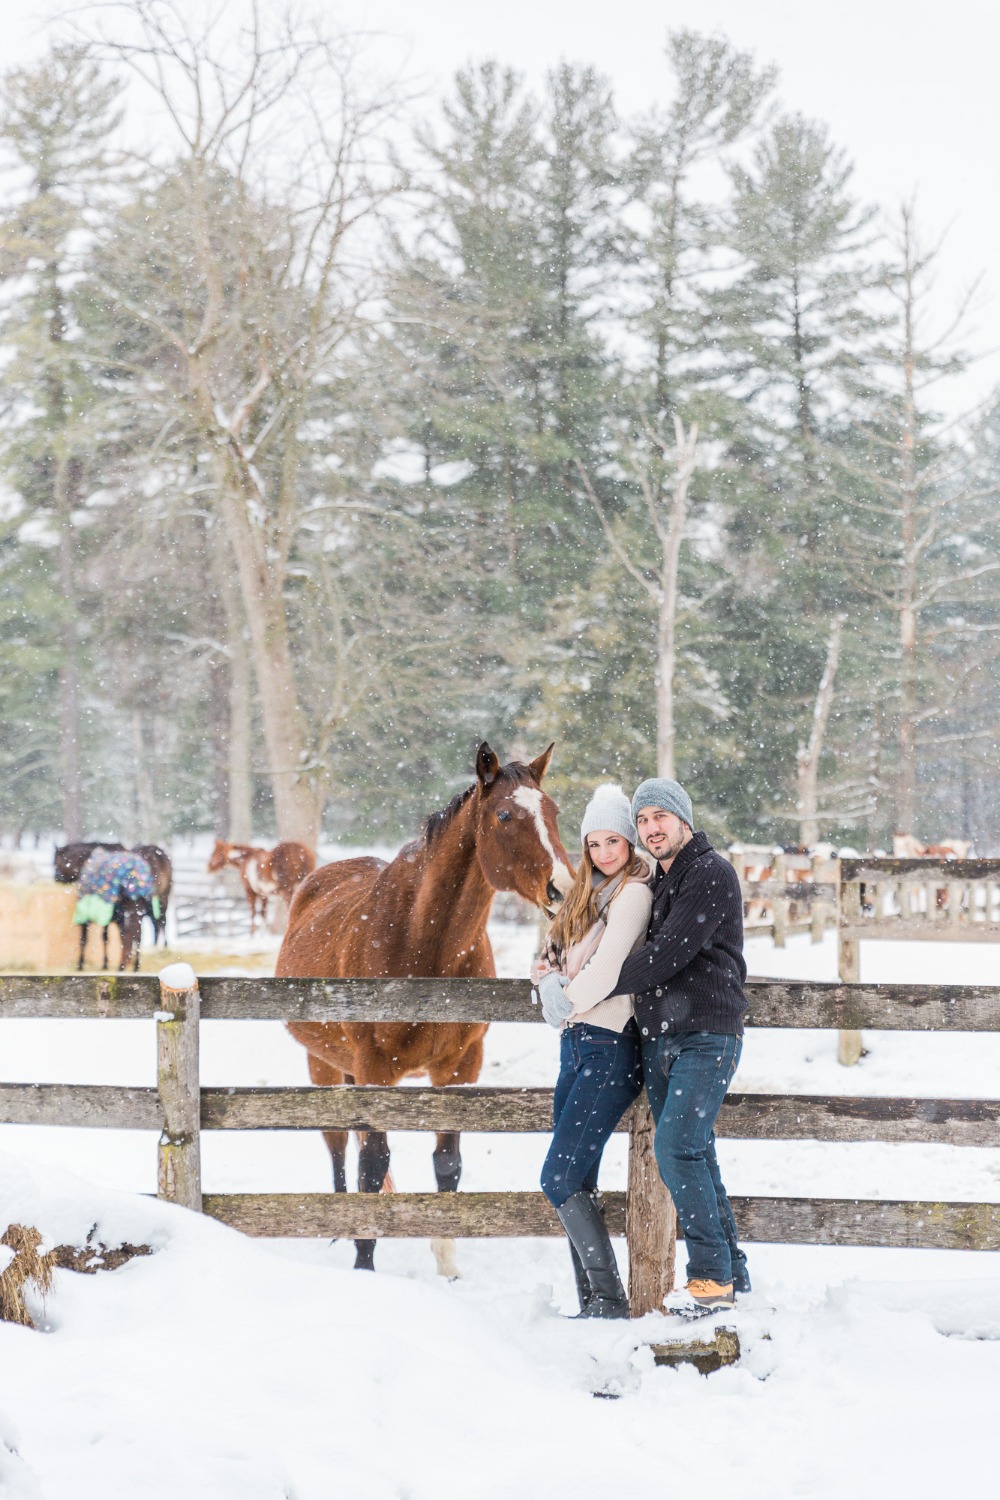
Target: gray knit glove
(555,1005)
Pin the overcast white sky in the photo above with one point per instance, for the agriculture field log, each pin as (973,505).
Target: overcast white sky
(909,87)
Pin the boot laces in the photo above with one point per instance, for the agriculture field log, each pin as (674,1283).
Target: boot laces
(702,1287)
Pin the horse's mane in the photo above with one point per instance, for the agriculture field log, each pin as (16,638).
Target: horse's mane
(437,822)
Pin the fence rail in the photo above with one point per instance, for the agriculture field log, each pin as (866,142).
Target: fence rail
(910,900)
(180,1110)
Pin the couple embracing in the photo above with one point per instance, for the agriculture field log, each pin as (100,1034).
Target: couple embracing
(643,973)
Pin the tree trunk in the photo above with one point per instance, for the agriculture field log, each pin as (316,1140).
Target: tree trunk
(906,784)
(671,537)
(240,732)
(69,672)
(809,755)
(145,812)
(62,504)
(285,737)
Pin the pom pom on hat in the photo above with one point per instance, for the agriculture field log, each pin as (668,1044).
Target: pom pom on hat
(609,811)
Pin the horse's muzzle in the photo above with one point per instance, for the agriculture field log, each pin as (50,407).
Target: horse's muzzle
(554,898)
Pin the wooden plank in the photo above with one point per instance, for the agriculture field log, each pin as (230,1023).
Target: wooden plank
(76,996)
(105,1106)
(878,1007)
(371,1108)
(177,1025)
(922,929)
(919,870)
(877,1222)
(772,1002)
(793,890)
(398,1215)
(650,1219)
(720,1346)
(849,1047)
(764,1117)
(790,1117)
(407,1000)
(793,1221)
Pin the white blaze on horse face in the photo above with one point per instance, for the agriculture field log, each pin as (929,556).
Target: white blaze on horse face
(530,798)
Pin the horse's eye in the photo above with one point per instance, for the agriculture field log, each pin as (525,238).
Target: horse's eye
(503,816)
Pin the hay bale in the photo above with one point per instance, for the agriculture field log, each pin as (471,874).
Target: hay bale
(37,930)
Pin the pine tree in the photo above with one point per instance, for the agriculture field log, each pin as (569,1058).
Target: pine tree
(55,124)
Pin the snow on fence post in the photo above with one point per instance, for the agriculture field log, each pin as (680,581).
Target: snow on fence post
(848,960)
(178,1084)
(650,1218)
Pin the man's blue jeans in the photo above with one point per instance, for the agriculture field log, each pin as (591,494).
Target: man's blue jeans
(600,1073)
(686,1079)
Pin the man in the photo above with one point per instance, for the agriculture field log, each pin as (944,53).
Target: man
(689,1005)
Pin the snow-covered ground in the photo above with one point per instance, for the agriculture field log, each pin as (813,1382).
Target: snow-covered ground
(221,1367)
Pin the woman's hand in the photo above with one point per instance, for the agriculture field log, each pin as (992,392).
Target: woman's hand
(539,967)
(556,1005)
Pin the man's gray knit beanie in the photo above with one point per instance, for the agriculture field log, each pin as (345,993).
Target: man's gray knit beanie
(608,812)
(658,791)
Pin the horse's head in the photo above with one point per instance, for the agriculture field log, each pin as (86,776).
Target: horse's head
(218,859)
(517,835)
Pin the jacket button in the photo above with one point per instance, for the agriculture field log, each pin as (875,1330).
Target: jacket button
(659,992)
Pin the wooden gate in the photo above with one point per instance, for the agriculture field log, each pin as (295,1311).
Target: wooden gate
(180,1110)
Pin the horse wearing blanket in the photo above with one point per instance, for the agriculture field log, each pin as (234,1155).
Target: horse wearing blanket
(116,886)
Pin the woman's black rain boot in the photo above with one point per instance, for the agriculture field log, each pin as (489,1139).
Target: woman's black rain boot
(584,1224)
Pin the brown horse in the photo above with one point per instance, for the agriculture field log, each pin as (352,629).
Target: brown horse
(423,915)
(264,872)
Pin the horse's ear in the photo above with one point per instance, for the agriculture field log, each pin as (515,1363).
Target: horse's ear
(487,765)
(540,764)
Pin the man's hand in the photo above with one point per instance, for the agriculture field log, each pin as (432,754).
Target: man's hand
(555,1005)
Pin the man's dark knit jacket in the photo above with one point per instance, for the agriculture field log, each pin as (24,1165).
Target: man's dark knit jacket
(689,976)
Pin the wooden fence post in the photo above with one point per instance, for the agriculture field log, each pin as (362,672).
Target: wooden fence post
(848,961)
(650,1219)
(817,908)
(178,1084)
(780,906)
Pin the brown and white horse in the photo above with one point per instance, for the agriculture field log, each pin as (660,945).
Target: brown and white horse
(264,872)
(423,915)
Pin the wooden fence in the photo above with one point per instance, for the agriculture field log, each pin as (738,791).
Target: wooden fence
(911,900)
(785,893)
(180,1110)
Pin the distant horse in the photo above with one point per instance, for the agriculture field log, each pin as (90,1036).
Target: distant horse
(115,886)
(423,915)
(264,872)
(158,861)
(906,846)
(71,858)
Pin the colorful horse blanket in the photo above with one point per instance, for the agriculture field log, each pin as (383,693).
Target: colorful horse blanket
(106,878)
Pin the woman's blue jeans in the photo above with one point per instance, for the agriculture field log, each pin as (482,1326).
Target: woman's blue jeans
(600,1073)
(686,1078)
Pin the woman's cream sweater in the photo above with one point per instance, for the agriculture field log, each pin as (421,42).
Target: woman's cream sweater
(628,919)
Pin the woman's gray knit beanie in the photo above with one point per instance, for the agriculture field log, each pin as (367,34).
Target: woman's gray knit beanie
(608,811)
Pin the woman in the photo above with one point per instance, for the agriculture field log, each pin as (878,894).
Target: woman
(602,920)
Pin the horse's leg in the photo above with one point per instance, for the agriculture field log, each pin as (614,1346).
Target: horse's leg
(448,1156)
(373,1169)
(325,1075)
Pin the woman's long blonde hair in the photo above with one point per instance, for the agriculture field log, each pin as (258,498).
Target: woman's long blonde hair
(579,910)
